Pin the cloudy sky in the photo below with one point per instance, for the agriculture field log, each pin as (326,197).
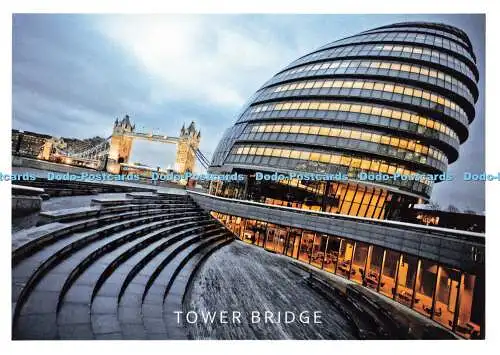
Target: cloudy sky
(73,74)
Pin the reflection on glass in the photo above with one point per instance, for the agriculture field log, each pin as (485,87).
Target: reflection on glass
(446,296)
(318,251)
(306,246)
(358,262)
(470,310)
(424,289)
(373,267)
(293,242)
(345,256)
(450,297)
(279,247)
(406,279)
(388,278)
(331,253)
(249,231)
(275,239)
(260,233)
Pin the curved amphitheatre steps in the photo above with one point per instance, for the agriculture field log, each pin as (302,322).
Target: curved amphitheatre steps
(68,188)
(86,273)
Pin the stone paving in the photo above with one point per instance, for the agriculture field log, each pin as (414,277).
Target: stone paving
(244,278)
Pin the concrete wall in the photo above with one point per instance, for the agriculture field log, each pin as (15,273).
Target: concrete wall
(23,205)
(457,249)
(47,165)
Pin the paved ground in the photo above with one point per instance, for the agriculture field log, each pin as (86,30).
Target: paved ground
(244,278)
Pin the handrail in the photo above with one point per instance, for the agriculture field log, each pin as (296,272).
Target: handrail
(387,223)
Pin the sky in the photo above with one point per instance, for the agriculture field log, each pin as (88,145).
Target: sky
(74,74)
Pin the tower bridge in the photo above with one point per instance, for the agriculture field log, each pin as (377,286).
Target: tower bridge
(115,150)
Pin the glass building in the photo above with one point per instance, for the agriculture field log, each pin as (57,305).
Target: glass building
(451,297)
(384,111)
(393,101)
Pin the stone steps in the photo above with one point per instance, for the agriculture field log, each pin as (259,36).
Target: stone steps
(28,272)
(179,287)
(155,324)
(75,214)
(61,185)
(87,274)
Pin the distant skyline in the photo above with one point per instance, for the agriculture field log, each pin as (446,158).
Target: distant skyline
(74,74)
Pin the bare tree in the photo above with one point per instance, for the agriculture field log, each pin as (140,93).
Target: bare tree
(453,209)
(434,205)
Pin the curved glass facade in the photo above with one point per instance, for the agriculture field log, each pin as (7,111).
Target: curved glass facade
(393,100)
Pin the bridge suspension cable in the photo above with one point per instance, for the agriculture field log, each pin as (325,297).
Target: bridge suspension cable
(201,157)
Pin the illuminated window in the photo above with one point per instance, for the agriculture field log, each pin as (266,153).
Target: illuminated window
(345,160)
(365,164)
(398,89)
(355,135)
(314,130)
(276,152)
(355,108)
(368,86)
(385,140)
(366,109)
(335,159)
(304,129)
(324,131)
(334,132)
(304,155)
(314,156)
(285,128)
(323,106)
(344,107)
(324,158)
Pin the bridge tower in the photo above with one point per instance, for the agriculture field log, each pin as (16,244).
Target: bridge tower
(187,145)
(120,145)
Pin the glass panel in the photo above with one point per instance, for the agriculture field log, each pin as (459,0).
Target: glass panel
(318,251)
(470,312)
(270,238)
(279,246)
(358,262)
(275,238)
(426,281)
(388,278)
(345,256)
(293,242)
(332,253)
(306,246)
(373,266)
(446,296)
(260,233)
(406,279)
